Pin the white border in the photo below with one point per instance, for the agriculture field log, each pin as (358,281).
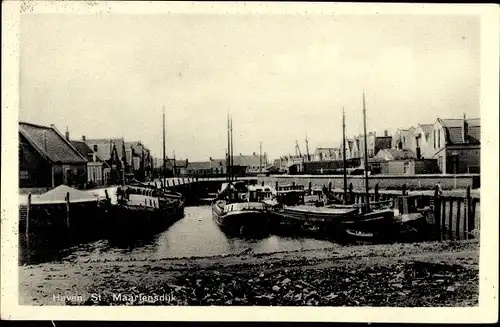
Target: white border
(488,303)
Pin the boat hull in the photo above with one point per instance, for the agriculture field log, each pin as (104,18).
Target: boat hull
(239,222)
(377,226)
(127,221)
(308,219)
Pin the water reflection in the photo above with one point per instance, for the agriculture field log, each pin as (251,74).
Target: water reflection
(194,235)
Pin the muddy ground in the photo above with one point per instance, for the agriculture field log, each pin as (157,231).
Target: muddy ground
(420,274)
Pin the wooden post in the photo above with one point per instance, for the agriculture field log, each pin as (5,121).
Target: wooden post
(310,185)
(443,217)
(161,183)
(262,183)
(459,205)
(293,184)
(329,187)
(106,194)
(28,208)
(351,194)
(467,213)
(156,184)
(404,189)
(377,196)
(67,209)
(450,220)
(437,213)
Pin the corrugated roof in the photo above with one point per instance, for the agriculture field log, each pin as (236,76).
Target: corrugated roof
(50,143)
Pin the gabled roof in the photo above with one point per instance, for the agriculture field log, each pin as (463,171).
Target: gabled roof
(426,128)
(85,150)
(454,130)
(104,147)
(50,143)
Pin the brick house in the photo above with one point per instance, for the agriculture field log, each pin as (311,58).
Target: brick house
(48,159)
(456,144)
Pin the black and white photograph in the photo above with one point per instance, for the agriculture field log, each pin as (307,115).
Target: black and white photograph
(257,159)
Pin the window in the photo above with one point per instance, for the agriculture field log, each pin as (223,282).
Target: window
(95,147)
(434,137)
(406,168)
(438,134)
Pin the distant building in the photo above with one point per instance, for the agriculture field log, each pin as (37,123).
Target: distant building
(47,159)
(321,154)
(97,170)
(456,144)
(401,162)
(404,139)
(140,160)
(423,137)
(253,163)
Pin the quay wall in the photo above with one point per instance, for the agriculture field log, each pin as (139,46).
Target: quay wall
(419,182)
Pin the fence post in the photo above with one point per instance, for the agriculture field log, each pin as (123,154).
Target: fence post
(28,216)
(377,196)
(330,187)
(404,189)
(310,185)
(459,205)
(437,213)
(450,220)
(276,186)
(67,209)
(467,213)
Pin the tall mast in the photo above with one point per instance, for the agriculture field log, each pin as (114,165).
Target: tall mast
(164,160)
(307,149)
(232,149)
(367,195)
(228,162)
(343,155)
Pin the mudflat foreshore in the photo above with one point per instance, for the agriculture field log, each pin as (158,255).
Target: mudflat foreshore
(416,274)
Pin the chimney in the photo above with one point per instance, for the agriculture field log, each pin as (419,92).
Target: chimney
(67,133)
(465,129)
(386,133)
(83,138)
(210,158)
(254,154)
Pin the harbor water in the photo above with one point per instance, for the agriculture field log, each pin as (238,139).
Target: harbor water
(195,235)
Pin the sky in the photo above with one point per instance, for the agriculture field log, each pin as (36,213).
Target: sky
(281,77)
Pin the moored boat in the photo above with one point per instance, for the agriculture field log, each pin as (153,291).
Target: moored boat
(142,209)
